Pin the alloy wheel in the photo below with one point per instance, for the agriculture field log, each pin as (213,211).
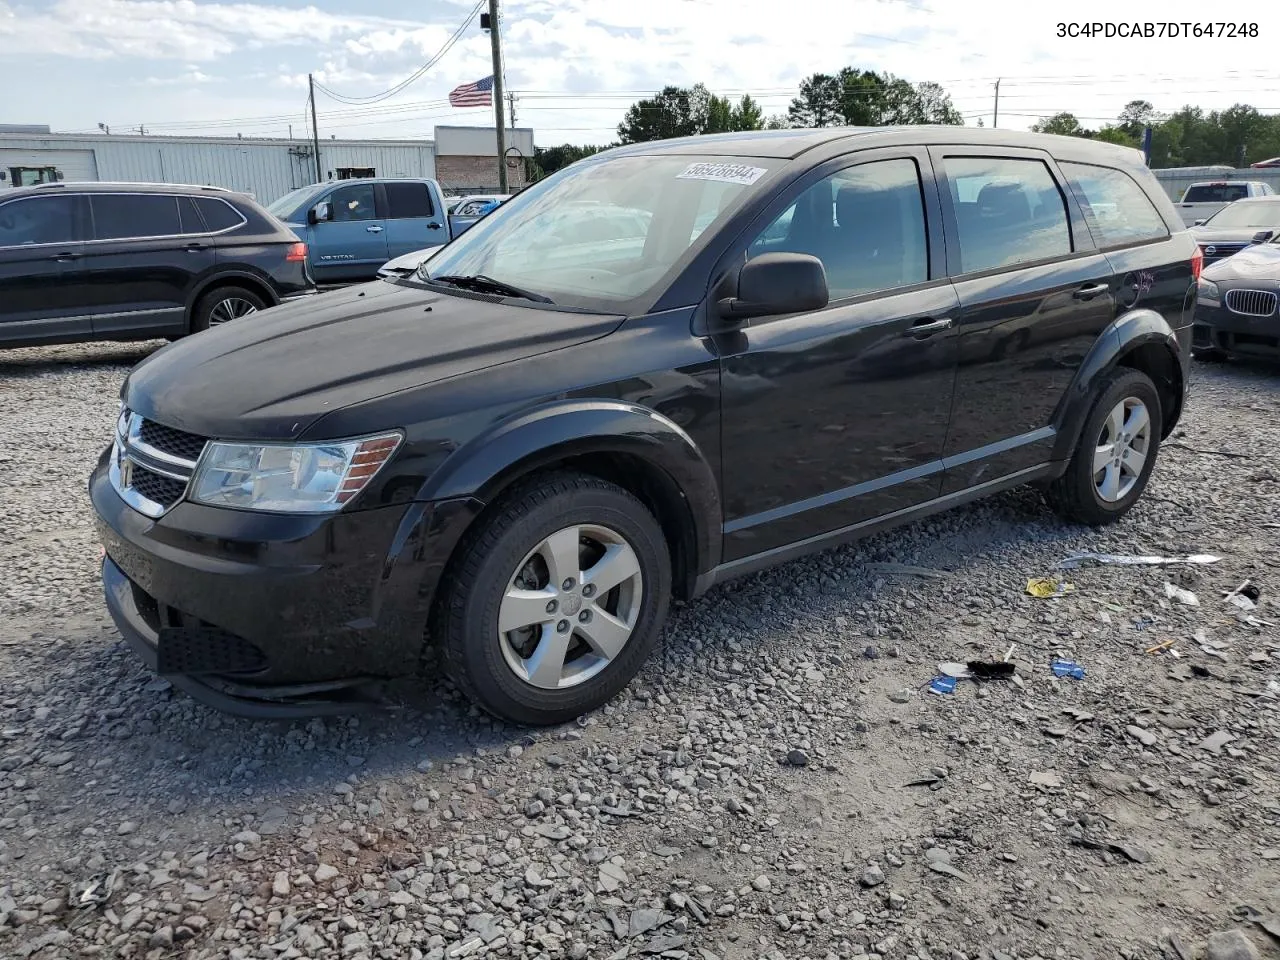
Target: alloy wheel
(1121,450)
(571,607)
(232,308)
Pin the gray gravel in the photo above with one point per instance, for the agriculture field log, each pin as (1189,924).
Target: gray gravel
(779,782)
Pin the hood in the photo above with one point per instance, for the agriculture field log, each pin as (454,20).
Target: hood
(1206,235)
(1259,262)
(408,262)
(269,375)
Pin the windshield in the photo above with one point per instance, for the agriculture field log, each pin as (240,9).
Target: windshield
(1264,213)
(288,203)
(605,234)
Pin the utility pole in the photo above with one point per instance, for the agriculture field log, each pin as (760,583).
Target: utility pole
(995,119)
(315,129)
(499,127)
(511,104)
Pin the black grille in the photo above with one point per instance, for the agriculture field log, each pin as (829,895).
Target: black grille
(1221,251)
(205,650)
(176,443)
(1252,303)
(156,488)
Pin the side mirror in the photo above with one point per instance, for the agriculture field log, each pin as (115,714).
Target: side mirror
(320,212)
(1199,223)
(1262,236)
(776,283)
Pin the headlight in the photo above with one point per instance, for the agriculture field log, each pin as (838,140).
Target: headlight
(295,478)
(1207,289)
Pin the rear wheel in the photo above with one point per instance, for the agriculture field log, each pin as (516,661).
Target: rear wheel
(1116,453)
(224,304)
(557,601)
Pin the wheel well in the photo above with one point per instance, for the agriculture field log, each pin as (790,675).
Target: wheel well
(1158,363)
(252,284)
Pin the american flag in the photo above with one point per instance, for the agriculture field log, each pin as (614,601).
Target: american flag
(478,94)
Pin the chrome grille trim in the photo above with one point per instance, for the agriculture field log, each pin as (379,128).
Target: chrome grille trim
(1251,303)
(130,453)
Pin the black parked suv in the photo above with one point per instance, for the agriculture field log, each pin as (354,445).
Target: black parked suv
(131,261)
(524,451)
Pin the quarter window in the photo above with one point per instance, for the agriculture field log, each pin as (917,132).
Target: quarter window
(866,224)
(353,203)
(1115,207)
(1007,212)
(218,214)
(405,200)
(119,216)
(37,220)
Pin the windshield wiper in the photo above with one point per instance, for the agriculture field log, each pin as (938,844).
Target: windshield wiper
(482,284)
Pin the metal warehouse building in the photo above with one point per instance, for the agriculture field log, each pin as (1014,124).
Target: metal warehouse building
(263,167)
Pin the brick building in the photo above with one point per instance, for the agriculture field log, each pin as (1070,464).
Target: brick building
(467,158)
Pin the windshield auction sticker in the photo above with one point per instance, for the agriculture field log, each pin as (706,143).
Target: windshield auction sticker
(723,173)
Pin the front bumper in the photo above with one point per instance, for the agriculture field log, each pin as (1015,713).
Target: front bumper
(271,615)
(1217,328)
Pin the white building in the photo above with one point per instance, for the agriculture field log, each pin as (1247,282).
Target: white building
(266,168)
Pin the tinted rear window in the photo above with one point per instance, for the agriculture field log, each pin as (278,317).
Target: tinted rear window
(37,220)
(1216,193)
(218,214)
(408,200)
(119,216)
(1115,207)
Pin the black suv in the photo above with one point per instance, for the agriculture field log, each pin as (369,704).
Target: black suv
(521,453)
(130,261)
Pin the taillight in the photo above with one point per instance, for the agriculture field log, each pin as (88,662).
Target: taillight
(297,253)
(1197,264)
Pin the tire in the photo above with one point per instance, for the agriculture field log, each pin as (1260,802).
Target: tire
(212,308)
(500,671)
(1080,497)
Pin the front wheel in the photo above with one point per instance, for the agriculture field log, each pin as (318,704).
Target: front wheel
(1116,453)
(557,601)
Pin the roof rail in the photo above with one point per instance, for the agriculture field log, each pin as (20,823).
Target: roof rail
(133,183)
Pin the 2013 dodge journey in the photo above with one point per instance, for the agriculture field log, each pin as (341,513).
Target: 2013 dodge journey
(749,347)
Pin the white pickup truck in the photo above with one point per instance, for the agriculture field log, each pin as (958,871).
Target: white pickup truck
(1202,200)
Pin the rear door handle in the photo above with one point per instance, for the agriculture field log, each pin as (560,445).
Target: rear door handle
(1091,291)
(196,247)
(374,229)
(65,256)
(926,327)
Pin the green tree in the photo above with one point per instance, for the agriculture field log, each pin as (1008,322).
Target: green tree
(1062,124)
(777,122)
(549,160)
(1135,117)
(1117,136)
(818,104)
(717,115)
(669,114)
(747,115)
(935,106)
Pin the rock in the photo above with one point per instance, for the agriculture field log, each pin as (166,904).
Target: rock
(901,696)
(1147,738)
(324,873)
(1230,945)
(762,883)
(1216,741)
(357,942)
(797,758)
(873,876)
(126,828)
(162,937)
(280,885)
(612,878)
(421,805)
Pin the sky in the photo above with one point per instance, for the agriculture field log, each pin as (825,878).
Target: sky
(225,68)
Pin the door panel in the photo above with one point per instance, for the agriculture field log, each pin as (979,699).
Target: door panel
(1034,296)
(139,266)
(41,273)
(412,220)
(839,416)
(353,244)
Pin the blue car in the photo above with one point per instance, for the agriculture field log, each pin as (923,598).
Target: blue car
(353,227)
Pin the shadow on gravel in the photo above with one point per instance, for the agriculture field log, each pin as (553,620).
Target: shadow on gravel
(37,361)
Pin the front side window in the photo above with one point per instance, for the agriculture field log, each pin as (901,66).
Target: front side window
(353,203)
(134,216)
(866,224)
(37,220)
(1007,212)
(1115,207)
(408,200)
(606,232)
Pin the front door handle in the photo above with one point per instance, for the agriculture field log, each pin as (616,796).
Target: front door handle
(65,257)
(1091,291)
(374,229)
(926,327)
(433,226)
(196,247)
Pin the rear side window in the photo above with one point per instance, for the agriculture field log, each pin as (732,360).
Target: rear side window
(1008,211)
(1216,193)
(218,214)
(37,220)
(1115,207)
(865,223)
(120,216)
(408,200)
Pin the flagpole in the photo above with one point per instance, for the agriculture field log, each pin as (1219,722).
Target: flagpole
(499,127)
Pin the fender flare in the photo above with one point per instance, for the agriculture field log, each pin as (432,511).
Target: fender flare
(1126,333)
(542,435)
(224,275)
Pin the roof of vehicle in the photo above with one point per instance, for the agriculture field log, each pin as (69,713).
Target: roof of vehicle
(100,186)
(791,143)
(1227,183)
(1245,201)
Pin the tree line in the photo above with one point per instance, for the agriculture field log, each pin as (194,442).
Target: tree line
(865,98)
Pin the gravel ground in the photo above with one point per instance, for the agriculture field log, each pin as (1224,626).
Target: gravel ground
(779,782)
